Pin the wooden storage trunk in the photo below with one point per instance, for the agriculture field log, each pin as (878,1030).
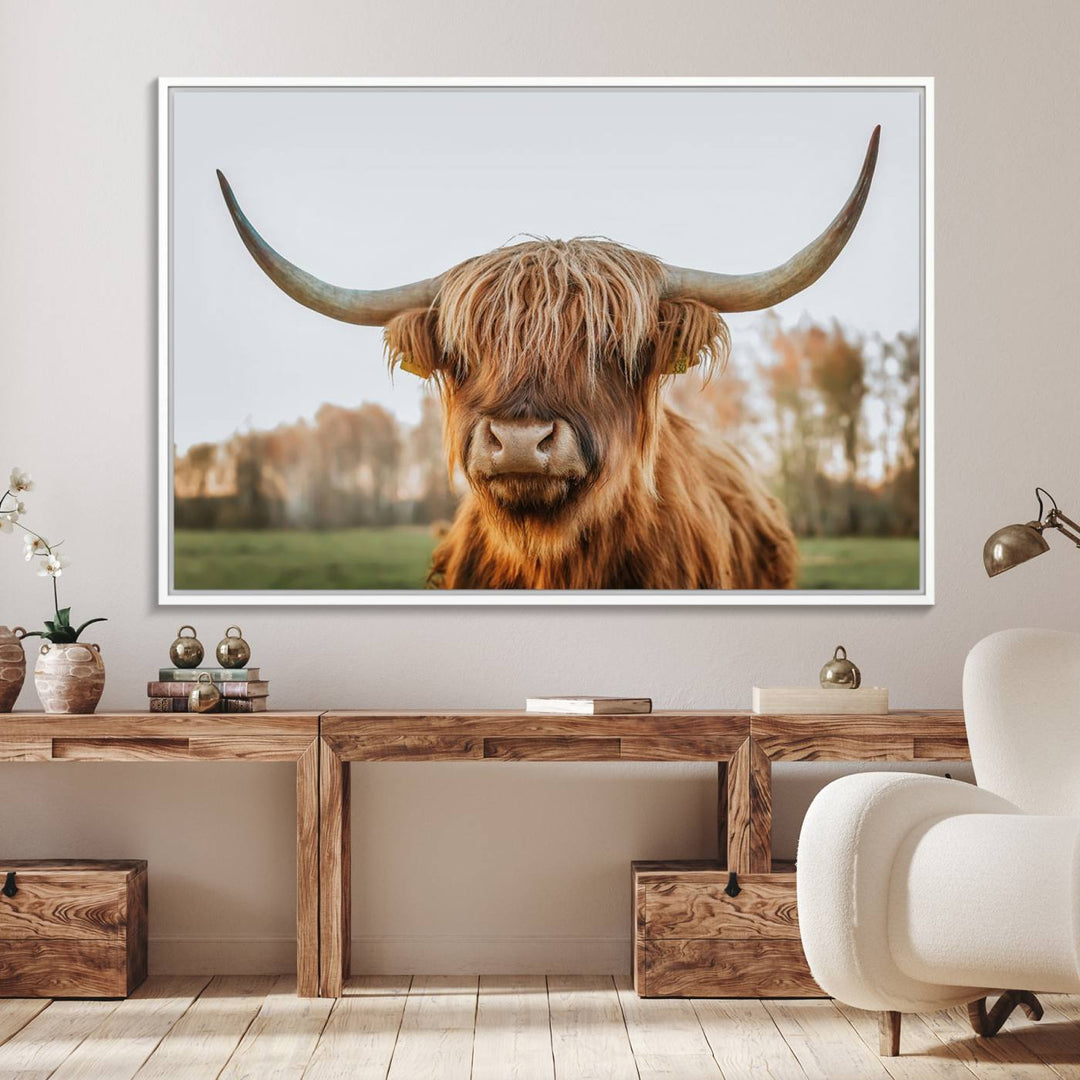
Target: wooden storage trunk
(691,939)
(72,928)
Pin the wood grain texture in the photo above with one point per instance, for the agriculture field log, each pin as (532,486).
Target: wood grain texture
(334,870)
(140,725)
(826,1045)
(416,747)
(941,748)
(120,749)
(359,1039)
(36,967)
(76,904)
(589,1040)
(513,1032)
(248,747)
(16,1013)
(496,724)
(722,812)
(764,908)
(665,1036)
(40,1048)
(923,1055)
(745,1042)
(890,737)
(552,748)
(137,927)
(678,747)
(200,1043)
(749,810)
(307,871)
(25,749)
(749,967)
(73,929)
(282,1037)
(435,1041)
(117,1048)
(890,1024)
(1005,1055)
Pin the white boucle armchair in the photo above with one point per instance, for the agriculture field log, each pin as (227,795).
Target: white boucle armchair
(918,893)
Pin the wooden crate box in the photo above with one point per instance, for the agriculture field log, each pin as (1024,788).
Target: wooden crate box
(692,939)
(72,928)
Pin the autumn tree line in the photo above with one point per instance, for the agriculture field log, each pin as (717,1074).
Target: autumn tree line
(830,417)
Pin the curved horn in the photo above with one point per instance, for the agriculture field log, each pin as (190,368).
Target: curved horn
(365,307)
(752,292)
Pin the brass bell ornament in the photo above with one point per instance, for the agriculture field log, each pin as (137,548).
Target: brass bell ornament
(233,652)
(186,651)
(204,696)
(840,673)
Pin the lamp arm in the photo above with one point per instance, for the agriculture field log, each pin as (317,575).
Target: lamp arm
(1055,519)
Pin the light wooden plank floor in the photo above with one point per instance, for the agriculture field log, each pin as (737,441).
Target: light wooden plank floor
(523,1027)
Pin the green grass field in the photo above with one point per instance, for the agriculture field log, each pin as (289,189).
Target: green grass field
(398,559)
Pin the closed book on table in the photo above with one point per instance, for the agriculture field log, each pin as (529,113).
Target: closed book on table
(588,706)
(164,688)
(72,928)
(218,674)
(229,705)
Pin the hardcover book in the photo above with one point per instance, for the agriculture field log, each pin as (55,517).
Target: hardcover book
(226,689)
(229,705)
(588,706)
(218,674)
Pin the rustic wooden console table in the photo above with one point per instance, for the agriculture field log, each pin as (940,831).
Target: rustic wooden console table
(322,745)
(742,744)
(269,736)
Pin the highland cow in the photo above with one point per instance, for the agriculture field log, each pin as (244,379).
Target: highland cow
(550,358)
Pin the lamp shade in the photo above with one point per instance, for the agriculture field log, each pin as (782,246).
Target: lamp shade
(1012,545)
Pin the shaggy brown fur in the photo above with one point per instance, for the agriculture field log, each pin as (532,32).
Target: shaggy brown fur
(577,331)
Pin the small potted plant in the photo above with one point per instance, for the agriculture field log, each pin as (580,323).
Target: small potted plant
(69,674)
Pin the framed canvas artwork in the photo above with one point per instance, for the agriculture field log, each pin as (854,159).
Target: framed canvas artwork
(546,341)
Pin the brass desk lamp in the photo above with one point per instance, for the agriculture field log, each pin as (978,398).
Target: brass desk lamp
(1014,544)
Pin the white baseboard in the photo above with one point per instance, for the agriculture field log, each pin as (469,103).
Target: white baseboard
(430,954)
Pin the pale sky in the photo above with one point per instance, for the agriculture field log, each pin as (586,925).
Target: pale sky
(372,187)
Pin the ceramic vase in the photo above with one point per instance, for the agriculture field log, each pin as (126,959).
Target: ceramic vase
(69,678)
(12,667)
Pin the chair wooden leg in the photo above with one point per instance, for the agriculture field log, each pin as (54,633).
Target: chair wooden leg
(889,1033)
(988,1024)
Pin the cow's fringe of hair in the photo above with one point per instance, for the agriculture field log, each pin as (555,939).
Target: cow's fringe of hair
(553,303)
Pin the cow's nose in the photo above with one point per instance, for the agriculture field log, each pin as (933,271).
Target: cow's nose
(521,446)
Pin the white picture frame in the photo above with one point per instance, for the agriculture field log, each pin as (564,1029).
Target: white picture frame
(169,595)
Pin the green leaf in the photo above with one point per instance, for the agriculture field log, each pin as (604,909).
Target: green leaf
(63,616)
(86,624)
(50,625)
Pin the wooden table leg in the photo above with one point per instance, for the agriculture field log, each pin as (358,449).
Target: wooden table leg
(722,813)
(334,872)
(749,810)
(307,872)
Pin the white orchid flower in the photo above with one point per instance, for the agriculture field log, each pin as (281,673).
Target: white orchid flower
(54,565)
(20,481)
(34,545)
(7,521)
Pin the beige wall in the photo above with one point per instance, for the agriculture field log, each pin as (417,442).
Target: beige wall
(495,866)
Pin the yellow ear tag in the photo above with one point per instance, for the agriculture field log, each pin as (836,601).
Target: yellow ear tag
(679,366)
(413,369)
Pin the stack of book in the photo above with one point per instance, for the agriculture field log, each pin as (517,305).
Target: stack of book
(241,689)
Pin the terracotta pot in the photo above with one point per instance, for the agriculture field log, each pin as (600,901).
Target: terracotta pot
(69,678)
(12,666)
